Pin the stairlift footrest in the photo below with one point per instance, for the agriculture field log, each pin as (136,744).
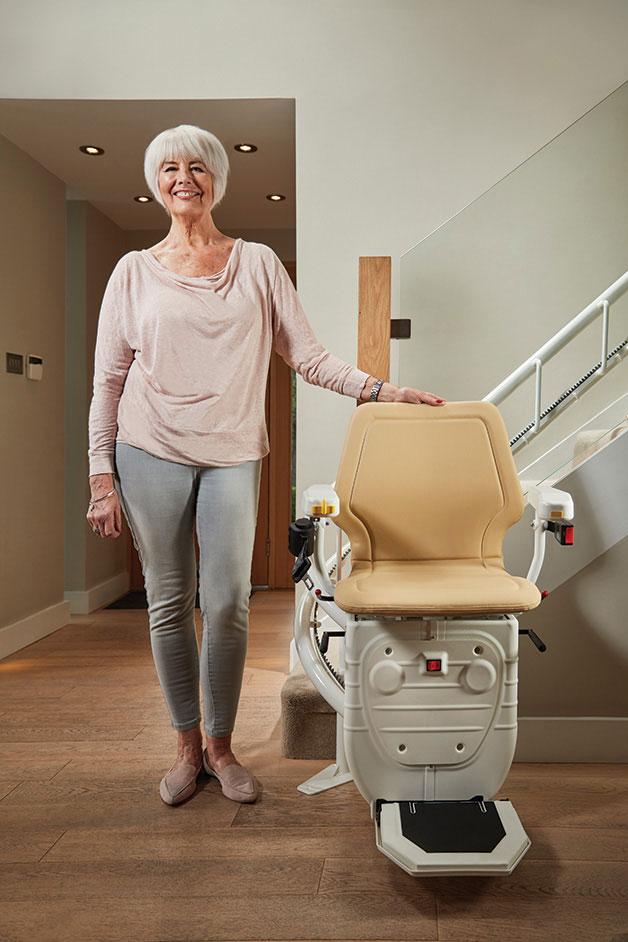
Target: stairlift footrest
(450,837)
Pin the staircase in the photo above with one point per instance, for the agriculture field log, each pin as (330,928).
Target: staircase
(595,475)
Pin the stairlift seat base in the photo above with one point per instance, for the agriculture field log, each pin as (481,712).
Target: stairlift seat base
(443,735)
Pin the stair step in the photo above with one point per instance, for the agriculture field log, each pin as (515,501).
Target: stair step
(308,722)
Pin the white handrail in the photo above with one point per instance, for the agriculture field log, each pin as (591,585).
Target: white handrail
(535,363)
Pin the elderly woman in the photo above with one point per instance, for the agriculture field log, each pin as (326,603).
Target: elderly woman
(184,341)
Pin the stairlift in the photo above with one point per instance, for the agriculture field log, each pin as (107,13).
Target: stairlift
(425,685)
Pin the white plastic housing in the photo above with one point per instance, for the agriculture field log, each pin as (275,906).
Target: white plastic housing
(550,503)
(413,735)
(320,500)
(34,366)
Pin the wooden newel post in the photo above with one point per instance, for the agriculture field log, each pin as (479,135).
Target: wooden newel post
(374,316)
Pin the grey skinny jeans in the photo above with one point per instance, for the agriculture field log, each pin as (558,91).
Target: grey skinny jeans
(161,500)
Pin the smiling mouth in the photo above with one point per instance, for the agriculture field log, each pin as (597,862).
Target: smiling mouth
(186,194)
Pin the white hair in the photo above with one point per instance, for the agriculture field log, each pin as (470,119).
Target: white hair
(186,142)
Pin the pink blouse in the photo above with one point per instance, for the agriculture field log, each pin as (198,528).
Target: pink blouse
(181,362)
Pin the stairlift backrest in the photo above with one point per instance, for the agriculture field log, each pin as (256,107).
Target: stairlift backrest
(419,482)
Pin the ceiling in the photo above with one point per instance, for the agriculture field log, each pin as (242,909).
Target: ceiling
(52,131)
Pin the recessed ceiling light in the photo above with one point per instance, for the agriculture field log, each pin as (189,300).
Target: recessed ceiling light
(143,199)
(275,197)
(91,150)
(245,148)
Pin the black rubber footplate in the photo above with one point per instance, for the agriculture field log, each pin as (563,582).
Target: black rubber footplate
(452,827)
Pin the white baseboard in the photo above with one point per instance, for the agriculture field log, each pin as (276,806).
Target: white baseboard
(24,632)
(83,603)
(572,739)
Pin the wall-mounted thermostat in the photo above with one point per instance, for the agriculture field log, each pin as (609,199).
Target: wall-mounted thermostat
(34,367)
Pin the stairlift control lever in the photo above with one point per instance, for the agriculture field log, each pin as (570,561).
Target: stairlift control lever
(320,500)
(534,638)
(550,503)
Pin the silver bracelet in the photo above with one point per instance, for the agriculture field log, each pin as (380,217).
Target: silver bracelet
(96,499)
(377,385)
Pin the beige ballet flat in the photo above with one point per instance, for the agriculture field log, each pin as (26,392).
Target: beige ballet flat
(236,781)
(178,784)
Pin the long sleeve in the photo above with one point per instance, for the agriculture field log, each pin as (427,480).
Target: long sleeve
(295,342)
(113,357)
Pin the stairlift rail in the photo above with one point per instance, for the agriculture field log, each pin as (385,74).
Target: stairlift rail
(309,654)
(535,363)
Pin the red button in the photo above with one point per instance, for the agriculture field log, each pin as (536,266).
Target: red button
(569,535)
(434,665)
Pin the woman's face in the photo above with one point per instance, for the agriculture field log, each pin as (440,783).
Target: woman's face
(186,186)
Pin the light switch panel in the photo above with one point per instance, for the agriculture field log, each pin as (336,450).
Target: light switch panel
(34,366)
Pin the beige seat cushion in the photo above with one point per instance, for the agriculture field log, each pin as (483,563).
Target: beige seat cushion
(434,587)
(426,496)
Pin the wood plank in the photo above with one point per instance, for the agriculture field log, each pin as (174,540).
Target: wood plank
(142,693)
(538,920)
(67,733)
(366,916)
(18,687)
(34,767)
(532,880)
(483,907)
(374,316)
(166,879)
(112,715)
(337,807)
(578,844)
(208,842)
(569,795)
(7,787)
(26,845)
(41,804)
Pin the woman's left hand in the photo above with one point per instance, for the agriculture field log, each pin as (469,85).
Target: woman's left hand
(390,393)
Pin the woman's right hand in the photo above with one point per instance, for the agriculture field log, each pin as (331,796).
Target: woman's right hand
(105,516)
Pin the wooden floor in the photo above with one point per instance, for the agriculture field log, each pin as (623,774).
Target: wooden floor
(90,852)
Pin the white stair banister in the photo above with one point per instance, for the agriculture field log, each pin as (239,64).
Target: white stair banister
(535,363)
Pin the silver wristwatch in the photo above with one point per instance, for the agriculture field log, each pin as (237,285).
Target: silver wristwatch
(377,385)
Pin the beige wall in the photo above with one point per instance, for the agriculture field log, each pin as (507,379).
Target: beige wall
(94,245)
(105,244)
(31,413)
(76,530)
